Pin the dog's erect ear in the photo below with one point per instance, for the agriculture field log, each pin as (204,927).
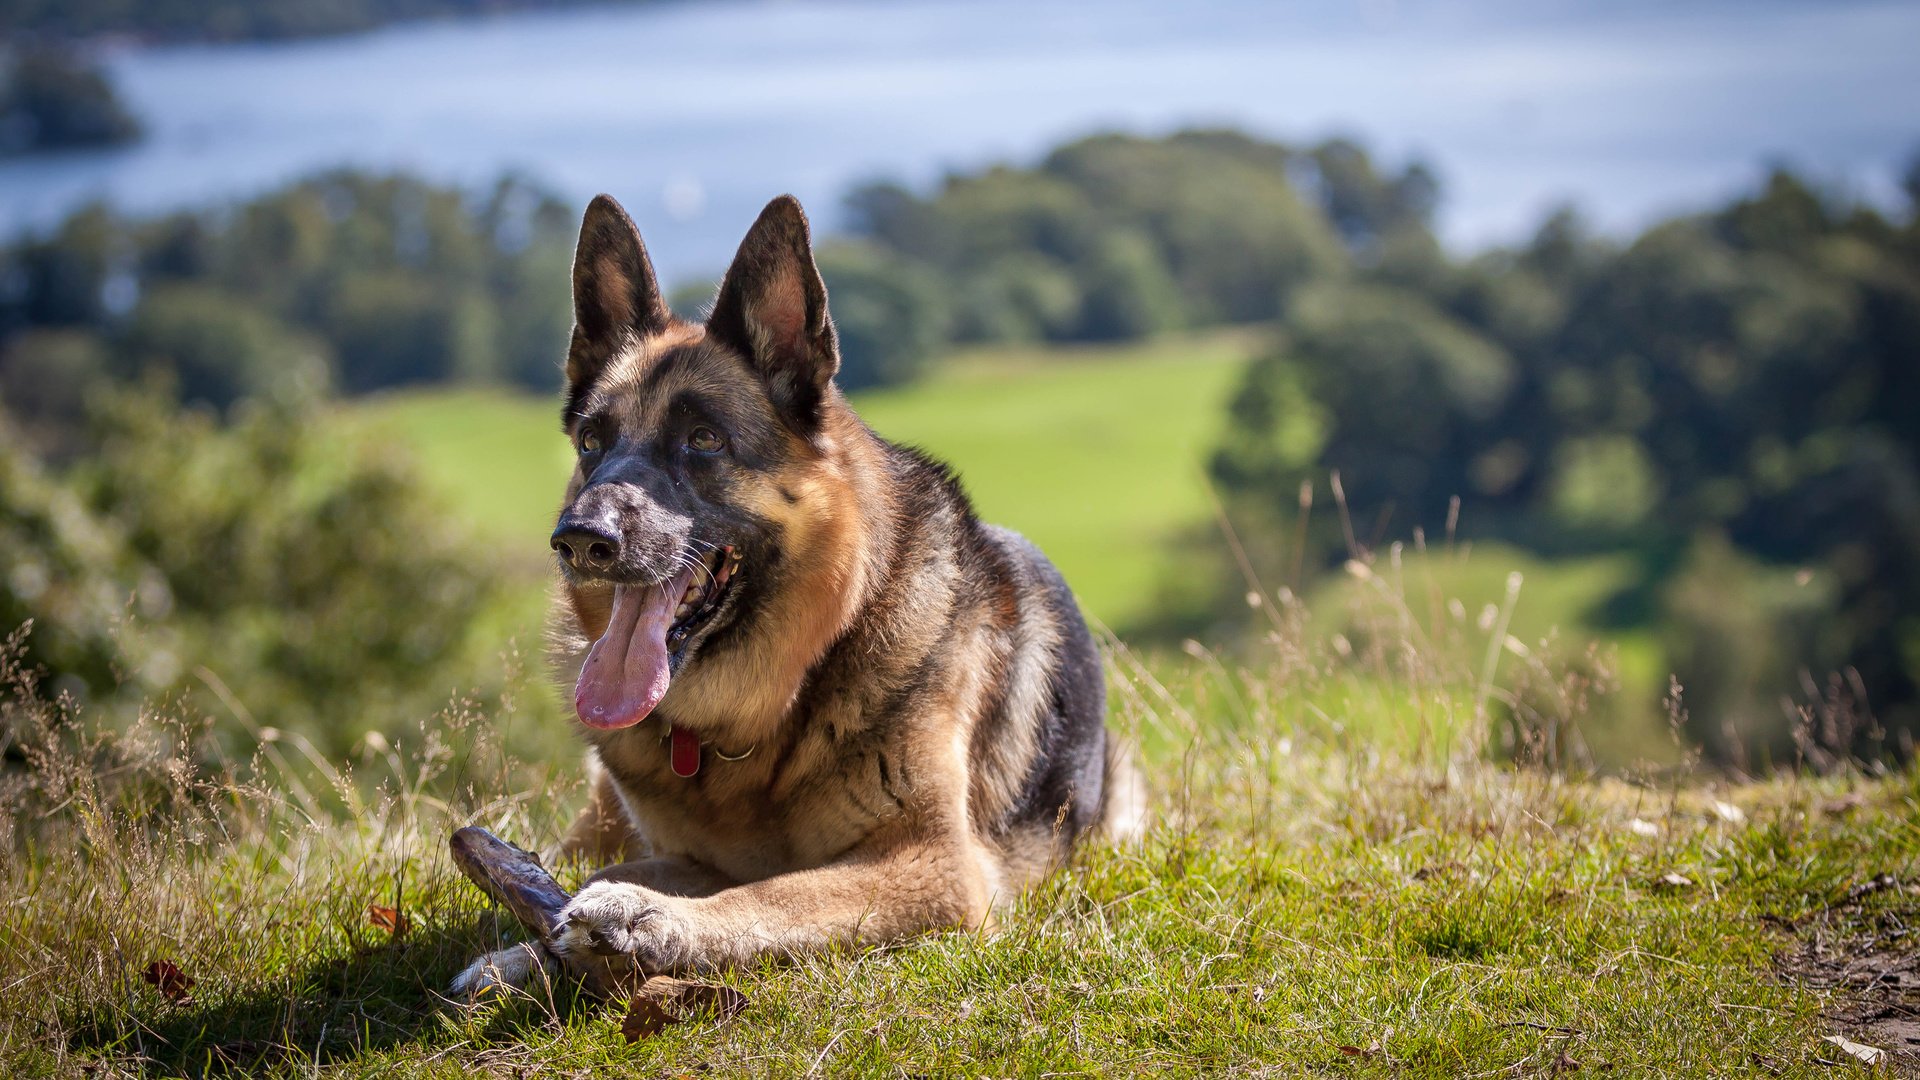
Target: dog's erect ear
(614,291)
(773,308)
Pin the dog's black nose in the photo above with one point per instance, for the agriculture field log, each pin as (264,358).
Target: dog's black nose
(586,545)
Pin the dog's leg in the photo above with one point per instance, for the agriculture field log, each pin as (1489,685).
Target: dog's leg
(601,833)
(888,889)
(503,971)
(673,876)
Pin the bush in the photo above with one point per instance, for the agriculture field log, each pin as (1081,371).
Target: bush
(888,313)
(266,570)
(1744,641)
(218,348)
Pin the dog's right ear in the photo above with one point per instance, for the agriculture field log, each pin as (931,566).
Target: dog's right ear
(615,295)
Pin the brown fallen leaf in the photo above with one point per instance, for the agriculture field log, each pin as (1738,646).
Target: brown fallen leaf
(392,920)
(1673,880)
(663,1001)
(645,1018)
(174,985)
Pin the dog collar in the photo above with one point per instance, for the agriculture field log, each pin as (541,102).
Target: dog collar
(683,752)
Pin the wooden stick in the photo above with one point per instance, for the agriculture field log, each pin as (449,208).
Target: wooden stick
(512,876)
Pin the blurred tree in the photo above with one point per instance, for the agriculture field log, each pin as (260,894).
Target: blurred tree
(888,313)
(312,579)
(71,575)
(390,279)
(1117,237)
(1733,395)
(46,377)
(219,349)
(1220,209)
(1129,293)
(51,99)
(1412,396)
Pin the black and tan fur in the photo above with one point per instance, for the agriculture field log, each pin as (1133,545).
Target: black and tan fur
(916,696)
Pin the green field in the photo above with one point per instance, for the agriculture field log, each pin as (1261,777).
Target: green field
(1097,454)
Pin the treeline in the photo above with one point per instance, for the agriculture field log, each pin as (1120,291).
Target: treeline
(234,20)
(344,282)
(178,524)
(1112,238)
(52,98)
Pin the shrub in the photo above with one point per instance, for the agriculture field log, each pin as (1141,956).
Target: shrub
(265,570)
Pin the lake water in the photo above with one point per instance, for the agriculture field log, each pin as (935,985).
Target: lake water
(694,113)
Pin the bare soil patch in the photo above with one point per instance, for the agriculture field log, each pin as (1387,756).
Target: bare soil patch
(1863,950)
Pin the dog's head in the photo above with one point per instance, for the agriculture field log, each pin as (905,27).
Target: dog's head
(711,520)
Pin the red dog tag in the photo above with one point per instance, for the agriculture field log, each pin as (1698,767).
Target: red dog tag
(685,752)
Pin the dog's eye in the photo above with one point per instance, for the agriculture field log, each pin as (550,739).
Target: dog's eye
(589,441)
(705,440)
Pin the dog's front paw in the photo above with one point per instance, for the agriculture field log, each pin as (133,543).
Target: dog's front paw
(501,972)
(615,932)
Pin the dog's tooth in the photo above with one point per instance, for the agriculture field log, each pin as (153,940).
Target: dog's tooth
(683,611)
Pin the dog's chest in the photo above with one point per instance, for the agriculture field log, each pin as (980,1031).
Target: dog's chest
(735,817)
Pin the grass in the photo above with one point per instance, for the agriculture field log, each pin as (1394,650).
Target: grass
(1340,881)
(1033,433)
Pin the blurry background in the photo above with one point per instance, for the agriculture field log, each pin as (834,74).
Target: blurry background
(1624,297)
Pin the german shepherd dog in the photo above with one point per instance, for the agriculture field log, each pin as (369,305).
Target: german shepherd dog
(825,703)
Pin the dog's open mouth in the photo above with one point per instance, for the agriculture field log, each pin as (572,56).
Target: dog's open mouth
(703,596)
(627,671)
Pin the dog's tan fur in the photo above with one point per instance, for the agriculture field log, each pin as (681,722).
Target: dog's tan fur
(885,710)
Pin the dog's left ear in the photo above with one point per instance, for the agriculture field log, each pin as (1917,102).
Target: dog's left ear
(773,308)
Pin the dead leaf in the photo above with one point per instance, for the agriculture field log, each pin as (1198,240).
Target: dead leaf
(645,1018)
(174,985)
(1675,881)
(662,1001)
(1641,827)
(1872,1055)
(1728,812)
(392,920)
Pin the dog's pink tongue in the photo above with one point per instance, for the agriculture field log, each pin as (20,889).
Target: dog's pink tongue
(625,675)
